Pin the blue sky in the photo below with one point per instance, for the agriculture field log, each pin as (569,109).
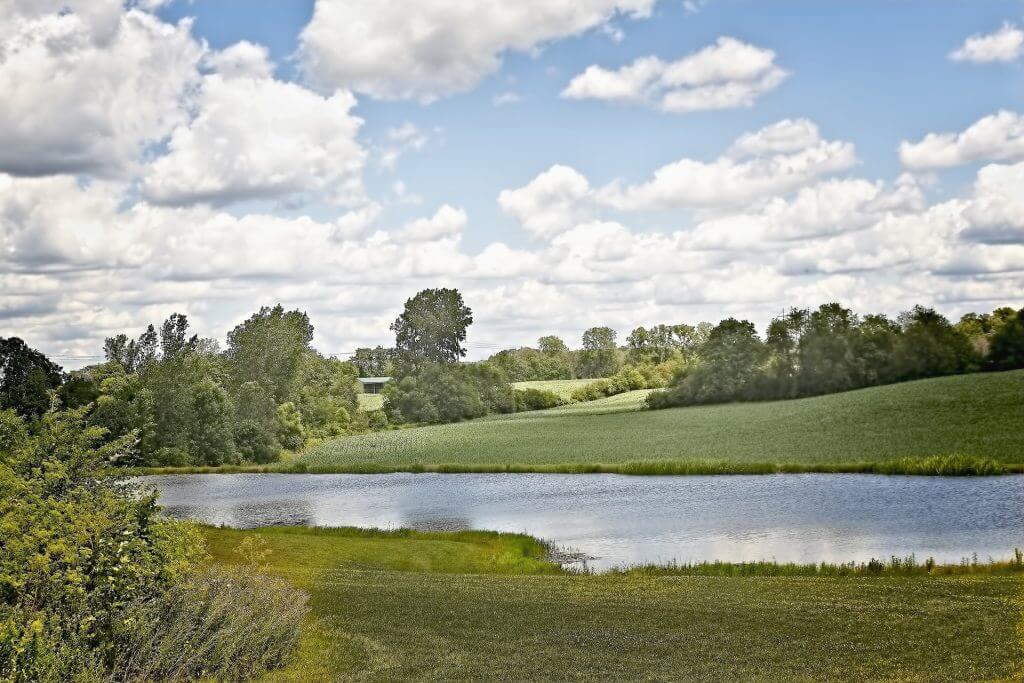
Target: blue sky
(874,73)
(210,156)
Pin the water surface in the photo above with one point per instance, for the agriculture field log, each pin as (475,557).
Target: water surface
(620,520)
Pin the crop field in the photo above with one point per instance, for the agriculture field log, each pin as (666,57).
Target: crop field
(562,387)
(976,415)
(409,605)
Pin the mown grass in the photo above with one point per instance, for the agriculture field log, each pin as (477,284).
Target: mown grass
(411,605)
(900,428)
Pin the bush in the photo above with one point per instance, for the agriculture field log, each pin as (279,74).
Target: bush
(536,399)
(435,393)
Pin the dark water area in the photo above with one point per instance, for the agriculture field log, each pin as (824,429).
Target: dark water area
(619,520)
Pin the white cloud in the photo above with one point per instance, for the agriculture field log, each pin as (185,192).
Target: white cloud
(997,137)
(1004,45)
(996,213)
(785,137)
(393,49)
(401,139)
(447,222)
(256,137)
(550,203)
(726,75)
(732,182)
(87,91)
(243,59)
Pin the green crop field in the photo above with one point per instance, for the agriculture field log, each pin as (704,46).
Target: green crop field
(408,605)
(562,387)
(978,415)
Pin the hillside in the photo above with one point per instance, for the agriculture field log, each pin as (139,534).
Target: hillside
(979,415)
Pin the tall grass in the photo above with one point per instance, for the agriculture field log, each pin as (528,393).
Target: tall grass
(894,566)
(222,624)
(952,465)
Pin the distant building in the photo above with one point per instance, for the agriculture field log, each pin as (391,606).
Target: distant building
(373,385)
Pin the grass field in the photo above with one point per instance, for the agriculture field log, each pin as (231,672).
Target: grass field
(562,387)
(978,415)
(371,401)
(409,605)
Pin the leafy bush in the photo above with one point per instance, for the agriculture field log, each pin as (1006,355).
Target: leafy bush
(536,399)
(94,585)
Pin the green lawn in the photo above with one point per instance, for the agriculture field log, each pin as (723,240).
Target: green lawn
(979,415)
(410,605)
(562,387)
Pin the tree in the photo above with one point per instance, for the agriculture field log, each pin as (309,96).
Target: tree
(930,346)
(599,356)
(731,368)
(827,361)
(375,362)
(432,327)
(26,378)
(132,355)
(210,439)
(1007,350)
(551,345)
(267,349)
(173,336)
(256,426)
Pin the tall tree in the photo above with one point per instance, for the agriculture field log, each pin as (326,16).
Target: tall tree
(26,378)
(599,356)
(433,327)
(1007,350)
(267,349)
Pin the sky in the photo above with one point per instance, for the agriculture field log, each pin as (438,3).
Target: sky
(563,163)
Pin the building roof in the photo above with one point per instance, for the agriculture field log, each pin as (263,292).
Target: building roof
(374,380)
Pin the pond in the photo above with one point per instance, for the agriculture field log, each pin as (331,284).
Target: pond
(616,520)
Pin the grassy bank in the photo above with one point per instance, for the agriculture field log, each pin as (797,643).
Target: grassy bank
(888,429)
(401,605)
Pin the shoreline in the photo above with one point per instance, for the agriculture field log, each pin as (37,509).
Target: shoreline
(933,466)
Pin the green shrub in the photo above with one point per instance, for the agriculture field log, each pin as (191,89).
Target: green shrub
(536,399)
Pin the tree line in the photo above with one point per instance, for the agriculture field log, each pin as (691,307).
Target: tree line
(186,402)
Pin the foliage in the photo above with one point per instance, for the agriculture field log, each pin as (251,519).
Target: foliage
(438,392)
(433,327)
(26,378)
(1007,346)
(662,343)
(375,362)
(599,356)
(536,399)
(268,349)
(78,553)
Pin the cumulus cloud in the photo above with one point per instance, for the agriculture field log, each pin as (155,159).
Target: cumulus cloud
(752,170)
(726,75)
(550,203)
(447,222)
(995,214)
(393,49)
(256,137)
(997,137)
(87,90)
(1003,45)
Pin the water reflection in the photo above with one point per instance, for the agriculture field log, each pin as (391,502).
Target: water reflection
(621,520)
